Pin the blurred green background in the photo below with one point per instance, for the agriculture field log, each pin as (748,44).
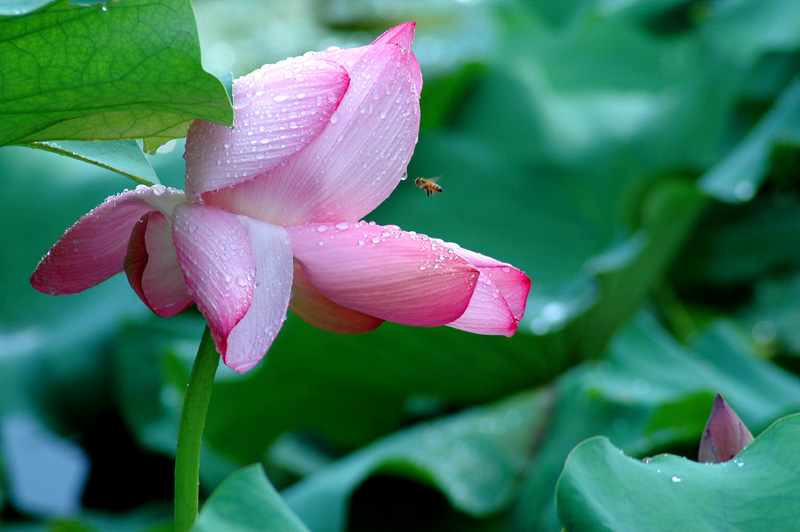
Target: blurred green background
(638,159)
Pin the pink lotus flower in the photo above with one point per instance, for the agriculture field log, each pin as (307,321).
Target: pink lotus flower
(270,209)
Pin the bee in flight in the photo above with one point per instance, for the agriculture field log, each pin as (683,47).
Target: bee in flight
(430,187)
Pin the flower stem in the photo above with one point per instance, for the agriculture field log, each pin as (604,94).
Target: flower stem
(190,433)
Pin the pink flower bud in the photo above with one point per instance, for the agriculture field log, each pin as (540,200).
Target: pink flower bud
(724,436)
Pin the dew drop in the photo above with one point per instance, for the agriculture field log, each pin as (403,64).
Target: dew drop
(282,97)
(342,226)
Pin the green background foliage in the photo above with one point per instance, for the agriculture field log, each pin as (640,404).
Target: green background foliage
(638,160)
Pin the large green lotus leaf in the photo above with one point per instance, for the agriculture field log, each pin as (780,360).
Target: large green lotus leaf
(772,315)
(474,458)
(738,246)
(123,156)
(604,97)
(743,241)
(601,489)
(650,394)
(748,28)
(247,502)
(123,70)
(738,177)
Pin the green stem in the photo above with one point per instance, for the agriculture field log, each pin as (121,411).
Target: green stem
(190,433)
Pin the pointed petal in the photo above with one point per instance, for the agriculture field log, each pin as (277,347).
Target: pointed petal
(280,108)
(311,306)
(487,313)
(724,436)
(512,284)
(254,334)
(403,35)
(356,162)
(217,263)
(152,266)
(94,248)
(385,272)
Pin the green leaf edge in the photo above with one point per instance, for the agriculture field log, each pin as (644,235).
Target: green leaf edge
(69,149)
(675,470)
(247,494)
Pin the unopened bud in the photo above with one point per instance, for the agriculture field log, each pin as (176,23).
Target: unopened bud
(724,436)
